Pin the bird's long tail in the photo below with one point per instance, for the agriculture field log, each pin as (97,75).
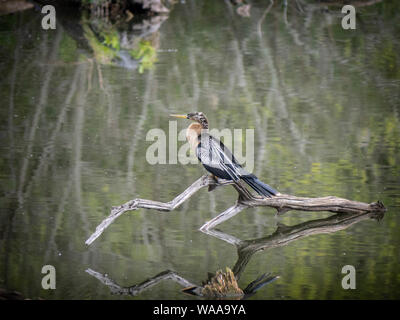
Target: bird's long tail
(259,283)
(260,187)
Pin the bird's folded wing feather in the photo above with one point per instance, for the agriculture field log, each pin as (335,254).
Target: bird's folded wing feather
(213,153)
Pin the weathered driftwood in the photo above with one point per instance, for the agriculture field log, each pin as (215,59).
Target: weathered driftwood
(281,202)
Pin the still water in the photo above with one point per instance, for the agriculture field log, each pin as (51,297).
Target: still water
(324,106)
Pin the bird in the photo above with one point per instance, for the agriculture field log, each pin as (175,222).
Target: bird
(216,158)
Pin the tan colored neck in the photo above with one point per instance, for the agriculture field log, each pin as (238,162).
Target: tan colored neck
(192,134)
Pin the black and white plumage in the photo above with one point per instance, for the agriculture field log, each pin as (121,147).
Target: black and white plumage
(218,159)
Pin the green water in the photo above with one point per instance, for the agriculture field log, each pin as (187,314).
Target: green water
(324,103)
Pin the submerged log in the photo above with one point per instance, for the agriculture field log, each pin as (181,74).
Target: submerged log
(281,202)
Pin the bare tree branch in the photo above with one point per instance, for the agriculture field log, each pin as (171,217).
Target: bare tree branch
(281,202)
(227,214)
(149,204)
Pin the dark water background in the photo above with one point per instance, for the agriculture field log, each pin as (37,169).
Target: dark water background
(324,103)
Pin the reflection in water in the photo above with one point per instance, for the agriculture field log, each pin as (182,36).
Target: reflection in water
(224,284)
(112,35)
(73,135)
(283,235)
(132,46)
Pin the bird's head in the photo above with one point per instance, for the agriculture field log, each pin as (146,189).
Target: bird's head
(194,116)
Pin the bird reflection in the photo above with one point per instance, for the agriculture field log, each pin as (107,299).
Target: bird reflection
(224,284)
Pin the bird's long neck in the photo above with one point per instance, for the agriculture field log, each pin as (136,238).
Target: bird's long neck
(192,134)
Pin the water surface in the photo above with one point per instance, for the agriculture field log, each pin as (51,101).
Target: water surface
(324,103)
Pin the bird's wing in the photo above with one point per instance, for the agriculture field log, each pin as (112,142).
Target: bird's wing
(213,154)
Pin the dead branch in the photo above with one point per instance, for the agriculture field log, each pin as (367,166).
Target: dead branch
(281,202)
(149,204)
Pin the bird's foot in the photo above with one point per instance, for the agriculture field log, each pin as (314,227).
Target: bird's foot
(213,183)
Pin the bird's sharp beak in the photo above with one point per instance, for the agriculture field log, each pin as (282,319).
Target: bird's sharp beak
(183,116)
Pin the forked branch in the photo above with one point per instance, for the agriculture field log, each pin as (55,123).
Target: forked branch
(135,204)
(281,202)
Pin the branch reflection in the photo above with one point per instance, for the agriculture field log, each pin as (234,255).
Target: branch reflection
(223,284)
(283,235)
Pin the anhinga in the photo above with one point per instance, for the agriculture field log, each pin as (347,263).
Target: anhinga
(216,158)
